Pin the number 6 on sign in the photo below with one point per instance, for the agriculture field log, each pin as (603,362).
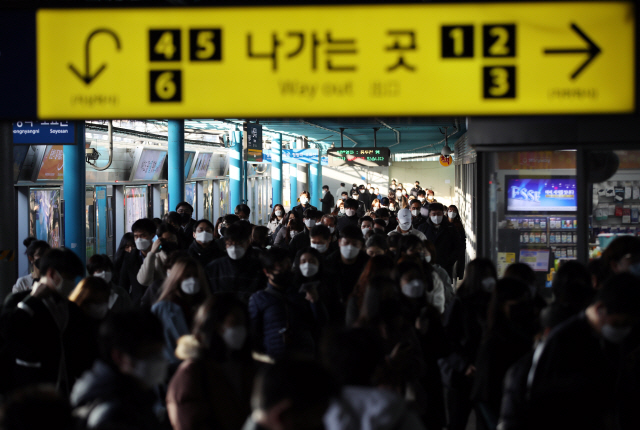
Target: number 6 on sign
(165,86)
(499,82)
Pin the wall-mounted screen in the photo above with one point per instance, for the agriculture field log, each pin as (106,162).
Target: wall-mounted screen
(202,165)
(188,159)
(533,194)
(148,164)
(537,259)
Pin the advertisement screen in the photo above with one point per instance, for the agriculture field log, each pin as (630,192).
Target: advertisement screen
(202,165)
(188,159)
(135,205)
(555,194)
(44,216)
(190,196)
(150,165)
(537,259)
(51,169)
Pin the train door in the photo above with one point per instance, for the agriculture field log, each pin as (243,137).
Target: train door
(110,226)
(45,220)
(136,205)
(101,220)
(223,193)
(164,200)
(90,221)
(207,188)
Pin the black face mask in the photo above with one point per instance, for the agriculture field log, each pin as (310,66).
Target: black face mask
(185,217)
(282,279)
(522,315)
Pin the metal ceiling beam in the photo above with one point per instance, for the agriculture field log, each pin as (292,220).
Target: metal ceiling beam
(304,121)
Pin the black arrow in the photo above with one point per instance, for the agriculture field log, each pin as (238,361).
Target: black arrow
(87,77)
(593,50)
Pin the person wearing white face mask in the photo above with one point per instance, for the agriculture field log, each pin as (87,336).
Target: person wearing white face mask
(438,230)
(348,263)
(305,203)
(350,217)
(320,240)
(152,267)
(239,271)
(212,386)
(590,393)
(366,225)
(404,225)
(143,231)
(327,200)
(302,240)
(453,216)
(184,290)
(277,215)
(203,249)
(117,391)
(416,213)
(100,266)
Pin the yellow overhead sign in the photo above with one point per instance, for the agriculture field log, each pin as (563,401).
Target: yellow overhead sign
(356,60)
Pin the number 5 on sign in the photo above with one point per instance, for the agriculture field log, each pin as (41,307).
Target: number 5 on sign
(165,86)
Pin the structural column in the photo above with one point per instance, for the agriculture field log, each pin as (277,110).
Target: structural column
(176,163)
(293,178)
(318,189)
(235,170)
(313,185)
(8,215)
(276,170)
(74,184)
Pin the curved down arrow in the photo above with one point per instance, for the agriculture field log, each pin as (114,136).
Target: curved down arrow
(87,77)
(592,49)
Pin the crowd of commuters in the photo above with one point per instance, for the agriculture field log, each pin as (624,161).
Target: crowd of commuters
(348,317)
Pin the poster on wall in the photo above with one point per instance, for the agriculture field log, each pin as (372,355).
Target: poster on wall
(52,164)
(44,219)
(535,194)
(135,205)
(190,197)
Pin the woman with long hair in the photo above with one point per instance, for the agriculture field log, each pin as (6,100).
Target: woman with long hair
(275,219)
(184,290)
(281,230)
(127,244)
(212,386)
(375,205)
(377,266)
(453,216)
(217,227)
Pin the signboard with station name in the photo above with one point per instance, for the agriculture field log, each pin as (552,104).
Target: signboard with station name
(44,133)
(252,141)
(418,59)
(359,156)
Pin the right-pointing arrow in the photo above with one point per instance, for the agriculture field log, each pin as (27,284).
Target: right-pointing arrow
(592,49)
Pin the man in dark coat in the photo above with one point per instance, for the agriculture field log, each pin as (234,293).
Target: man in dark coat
(438,230)
(327,200)
(351,216)
(143,231)
(239,271)
(188,224)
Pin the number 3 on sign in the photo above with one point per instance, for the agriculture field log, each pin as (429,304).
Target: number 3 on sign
(499,82)
(165,86)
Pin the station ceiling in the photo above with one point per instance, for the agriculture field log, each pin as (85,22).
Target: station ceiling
(401,135)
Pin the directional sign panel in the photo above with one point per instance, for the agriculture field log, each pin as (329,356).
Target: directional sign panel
(431,59)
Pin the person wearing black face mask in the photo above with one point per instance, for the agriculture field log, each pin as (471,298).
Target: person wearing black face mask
(282,319)
(188,224)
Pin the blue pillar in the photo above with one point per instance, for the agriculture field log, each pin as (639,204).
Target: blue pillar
(276,170)
(313,185)
(318,189)
(235,170)
(176,163)
(293,178)
(245,183)
(74,183)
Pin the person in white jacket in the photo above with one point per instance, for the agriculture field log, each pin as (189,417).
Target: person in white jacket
(152,267)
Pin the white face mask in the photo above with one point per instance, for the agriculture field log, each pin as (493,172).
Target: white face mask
(190,286)
(234,337)
(386,222)
(436,219)
(350,212)
(341,210)
(324,191)
(421,199)
(365,230)
(220,231)
(204,236)
(98,310)
(488,284)
(107,276)
(321,247)
(310,223)
(414,212)
(308,269)
(332,229)
(151,371)
(235,252)
(278,213)
(349,252)
(292,233)
(391,208)
(615,334)
(142,244)
(452,215)
(413,289)
(427,258)
(304,200)
(405,225)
